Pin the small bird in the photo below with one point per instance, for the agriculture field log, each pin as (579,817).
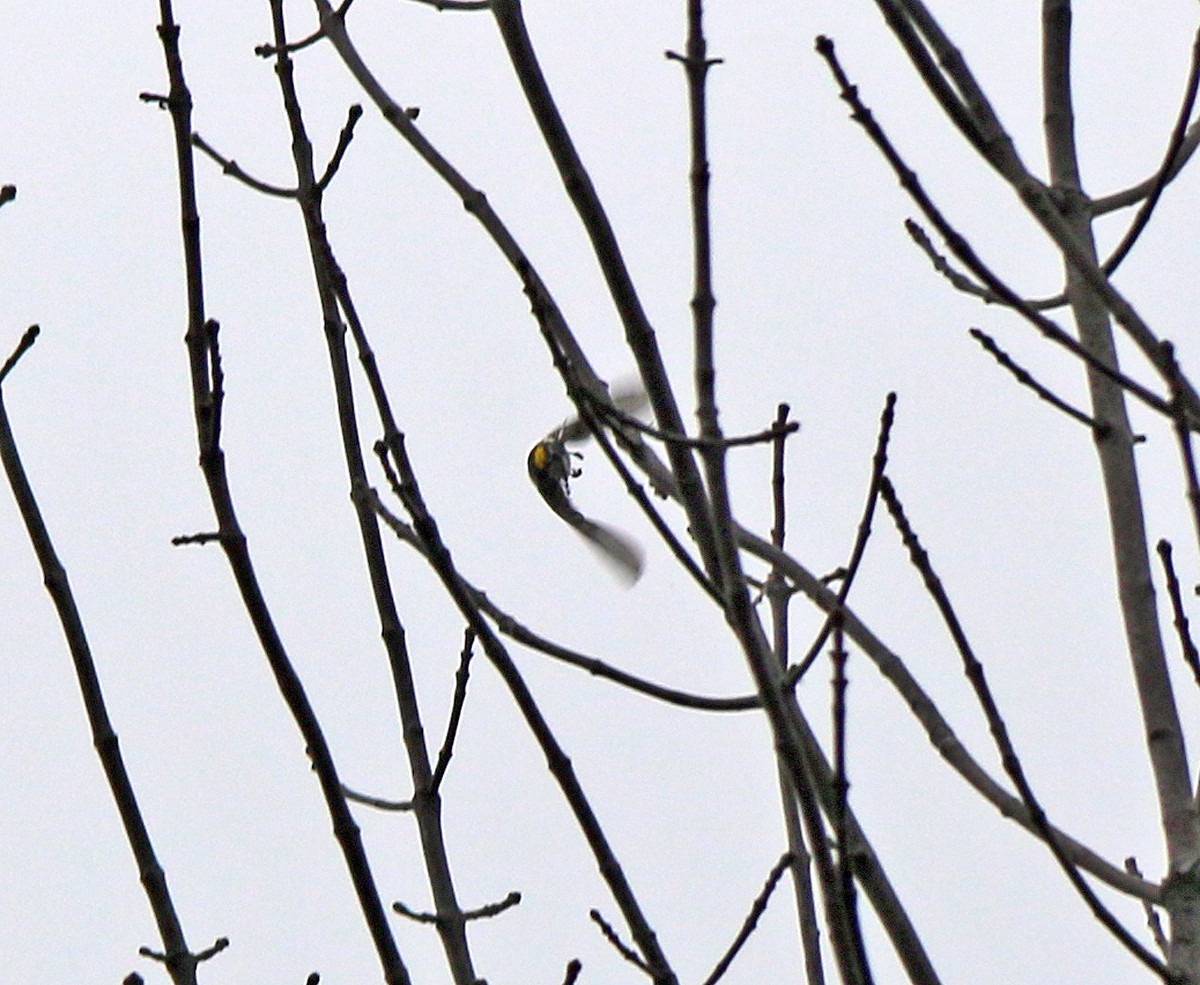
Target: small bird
(551,468)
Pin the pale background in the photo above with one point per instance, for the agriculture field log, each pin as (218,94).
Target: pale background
(823,303)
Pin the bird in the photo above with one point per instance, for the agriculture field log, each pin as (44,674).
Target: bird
(552,467)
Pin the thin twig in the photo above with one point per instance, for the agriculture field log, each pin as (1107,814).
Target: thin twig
(270,50)
(1008,755)
(841,790)
(1025,378)
(958,280)
(757,909)
(614,939)
(26,341)
(235,170)
(456,707)
(379,803)
(610,412)
(779,594)
(179,960)
(352,117)
(1152,919)
(878,464)
(1169,167)
(441,5)
(480,913)
(1183,434)
(1188,648)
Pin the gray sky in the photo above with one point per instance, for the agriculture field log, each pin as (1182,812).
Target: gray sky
(822,302)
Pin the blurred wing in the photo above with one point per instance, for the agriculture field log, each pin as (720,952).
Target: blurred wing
(628,397)
(622,553)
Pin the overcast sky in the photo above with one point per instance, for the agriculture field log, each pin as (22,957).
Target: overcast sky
(822,303)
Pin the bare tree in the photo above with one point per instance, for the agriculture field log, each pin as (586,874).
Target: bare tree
(679,478)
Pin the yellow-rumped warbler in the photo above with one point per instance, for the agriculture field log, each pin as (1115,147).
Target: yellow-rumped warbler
(551,468)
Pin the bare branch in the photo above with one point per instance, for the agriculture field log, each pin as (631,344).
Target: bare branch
(966,253)
(938,730)
(459,5)
(1008,754)
(481,913)
(180,961)
(233,541)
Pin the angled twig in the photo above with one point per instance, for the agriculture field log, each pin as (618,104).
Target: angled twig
(1182,629)
(757,909)
(614,939)
(456,707)
(1183,434)
(1008,755)
(1152,919)
(271,49)
(841,791)
(608,412)
(571,975)
(1025,378)
(1134,194)
(958,280)
(7,194)
(961,281)
(235,170)
(878,464)
(1167,170)
(26,342)
(347,134)
(480,913)
(379,803)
